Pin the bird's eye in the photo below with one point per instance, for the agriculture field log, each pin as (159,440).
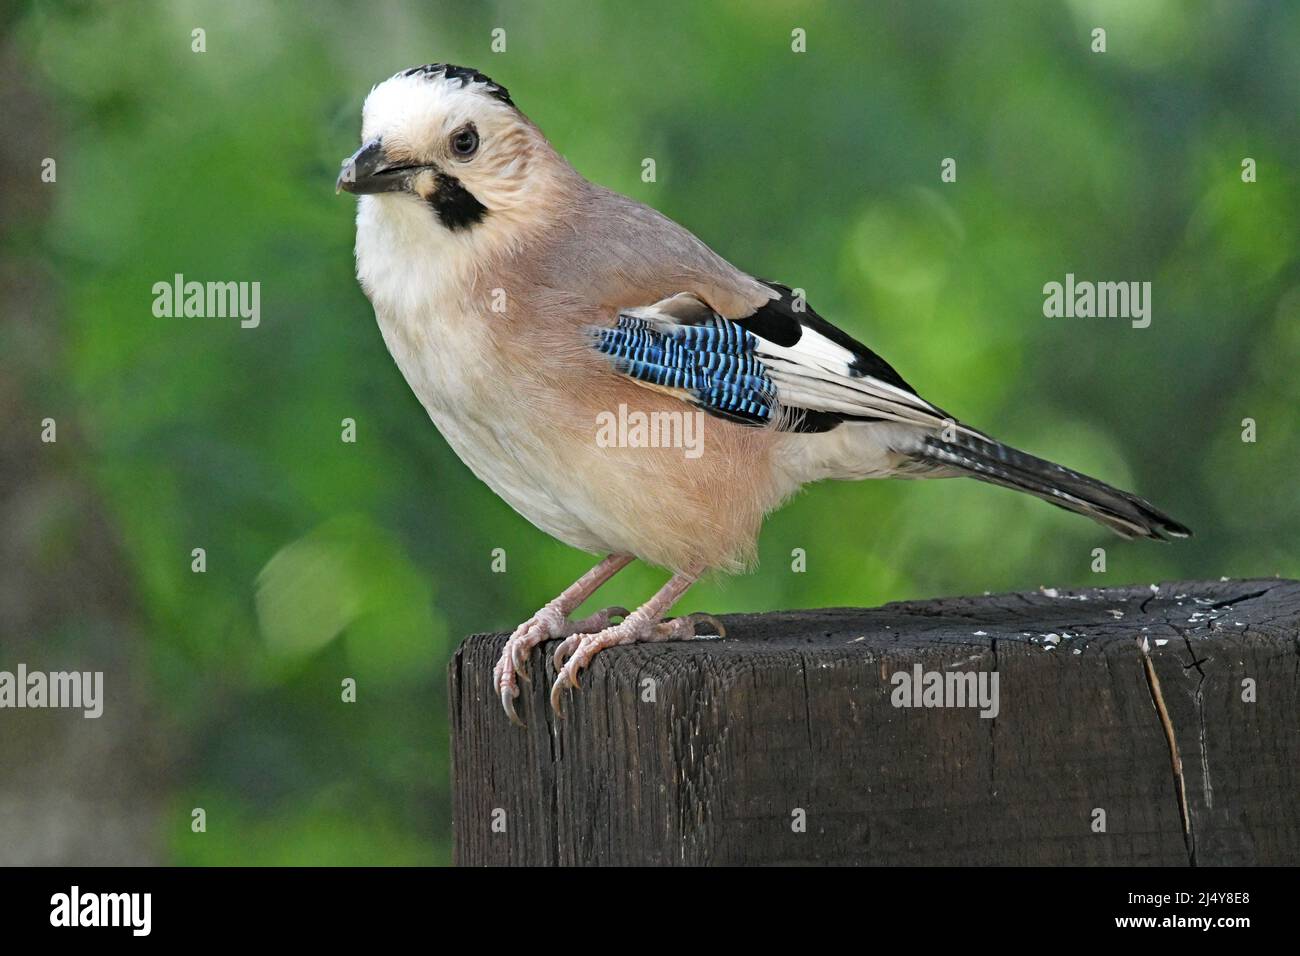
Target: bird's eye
(464,142)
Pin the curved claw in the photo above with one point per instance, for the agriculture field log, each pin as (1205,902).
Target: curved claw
(567,647)
(508,703)
(701,617)
(556,690)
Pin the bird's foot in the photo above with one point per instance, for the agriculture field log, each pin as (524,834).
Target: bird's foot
(547,623)
(577,650)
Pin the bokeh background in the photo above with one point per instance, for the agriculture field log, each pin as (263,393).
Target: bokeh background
(370,560)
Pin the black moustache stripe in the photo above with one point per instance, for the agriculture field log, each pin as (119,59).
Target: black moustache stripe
(455,205)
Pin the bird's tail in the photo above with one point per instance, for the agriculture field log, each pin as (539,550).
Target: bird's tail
(980,457)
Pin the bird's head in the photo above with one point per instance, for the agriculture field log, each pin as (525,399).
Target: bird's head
(448,139)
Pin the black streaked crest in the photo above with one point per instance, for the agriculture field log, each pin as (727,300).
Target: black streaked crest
(466,75)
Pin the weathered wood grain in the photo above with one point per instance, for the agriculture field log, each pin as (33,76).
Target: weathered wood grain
(792,711)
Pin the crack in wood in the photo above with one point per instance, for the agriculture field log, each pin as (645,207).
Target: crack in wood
(1175,757)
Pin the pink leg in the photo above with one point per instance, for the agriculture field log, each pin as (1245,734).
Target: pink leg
(643,624)
(553,621)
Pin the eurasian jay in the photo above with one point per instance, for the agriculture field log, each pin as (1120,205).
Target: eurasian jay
(524,305)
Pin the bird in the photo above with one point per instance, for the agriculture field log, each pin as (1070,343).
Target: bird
(524,305)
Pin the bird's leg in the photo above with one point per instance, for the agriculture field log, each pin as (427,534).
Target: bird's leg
(553,621)
(643,624)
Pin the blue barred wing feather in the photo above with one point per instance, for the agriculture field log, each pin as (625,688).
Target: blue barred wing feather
(711,364)
(781,365)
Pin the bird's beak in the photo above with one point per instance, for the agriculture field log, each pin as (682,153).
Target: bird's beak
(369,171)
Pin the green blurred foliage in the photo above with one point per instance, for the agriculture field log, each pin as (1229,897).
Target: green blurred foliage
(327,560)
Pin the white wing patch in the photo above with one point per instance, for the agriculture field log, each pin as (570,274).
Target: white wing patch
(817,373)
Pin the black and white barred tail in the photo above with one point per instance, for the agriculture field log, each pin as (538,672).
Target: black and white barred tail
(1000,464)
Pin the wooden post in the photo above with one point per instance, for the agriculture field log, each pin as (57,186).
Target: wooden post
(1133,726)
